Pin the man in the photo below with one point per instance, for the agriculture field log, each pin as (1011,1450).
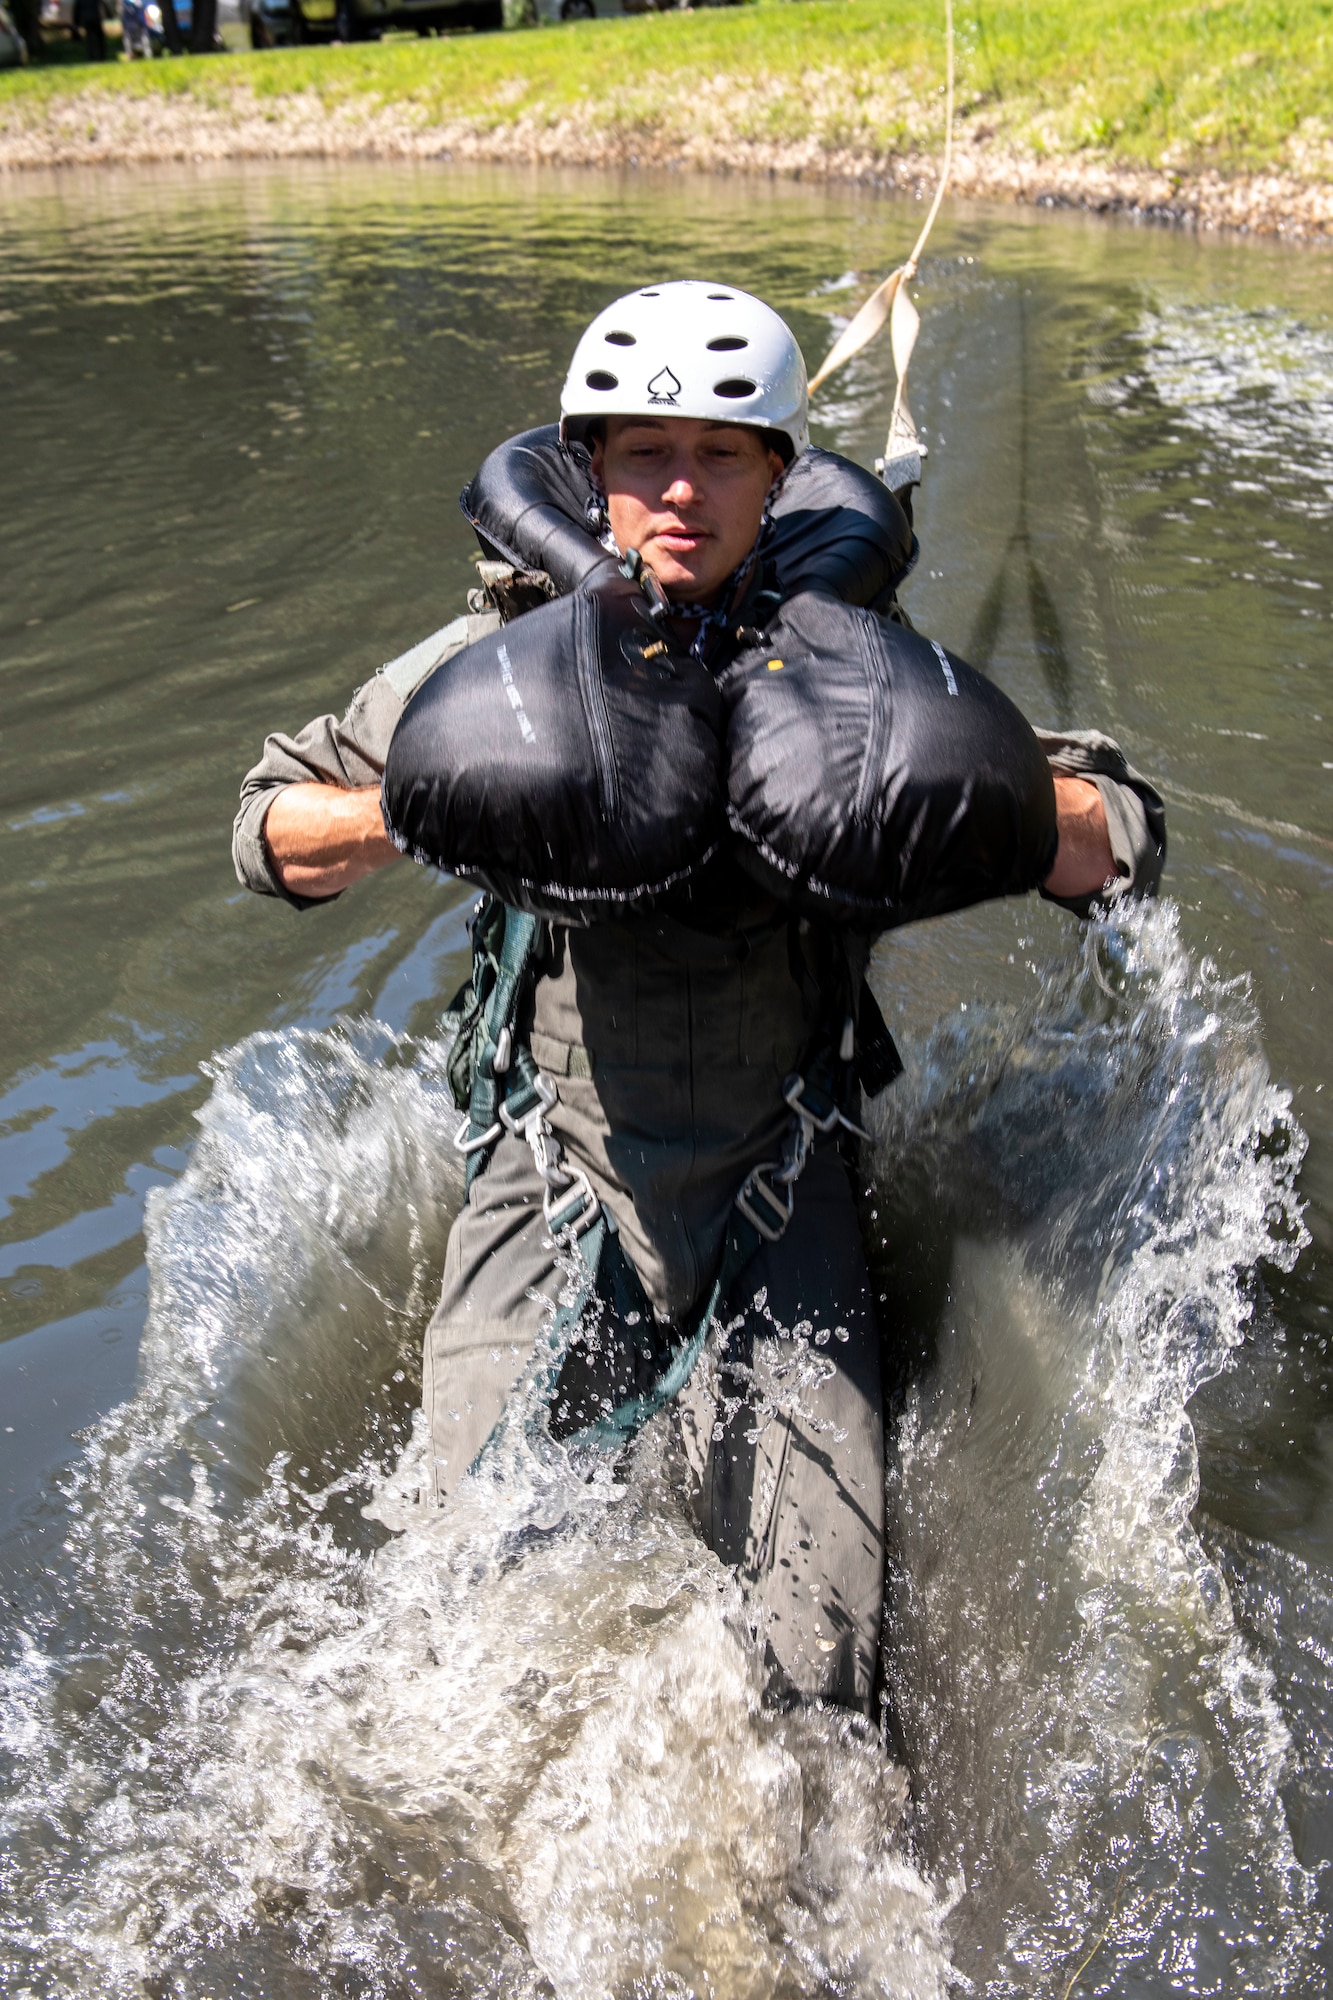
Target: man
(673,1047)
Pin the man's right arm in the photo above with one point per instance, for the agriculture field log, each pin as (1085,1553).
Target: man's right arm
(320,840)
(309,822)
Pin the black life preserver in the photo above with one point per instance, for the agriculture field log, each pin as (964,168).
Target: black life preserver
(874,778)
(571,763)
(580,764)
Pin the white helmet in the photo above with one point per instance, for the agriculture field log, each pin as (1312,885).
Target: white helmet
(688,349)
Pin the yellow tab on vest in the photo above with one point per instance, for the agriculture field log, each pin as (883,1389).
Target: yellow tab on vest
(773,666)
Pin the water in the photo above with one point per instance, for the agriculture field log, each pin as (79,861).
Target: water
(266,1727)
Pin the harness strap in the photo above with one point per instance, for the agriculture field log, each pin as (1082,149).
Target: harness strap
(743,1243)
(605,1269)
(493,1050)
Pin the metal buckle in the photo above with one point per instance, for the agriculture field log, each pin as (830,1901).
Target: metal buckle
(547,1095)
(794,1093)
(466,1145)
(793,1090)
(755,1184)
(578,1195)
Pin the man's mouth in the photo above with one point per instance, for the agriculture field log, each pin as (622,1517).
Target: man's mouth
(681,540)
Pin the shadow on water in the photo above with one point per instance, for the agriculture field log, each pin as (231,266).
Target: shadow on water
(1018,565)
(269,1727)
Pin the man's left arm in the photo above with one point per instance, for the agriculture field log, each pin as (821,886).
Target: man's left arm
(1112,823)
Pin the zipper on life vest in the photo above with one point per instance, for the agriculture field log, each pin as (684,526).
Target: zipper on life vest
(588,654)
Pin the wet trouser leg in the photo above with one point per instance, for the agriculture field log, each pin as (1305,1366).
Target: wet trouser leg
(499,1271)
(792,1490)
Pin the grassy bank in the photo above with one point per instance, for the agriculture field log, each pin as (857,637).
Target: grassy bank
(1185,91)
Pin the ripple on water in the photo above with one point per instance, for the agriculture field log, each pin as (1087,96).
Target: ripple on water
(1257,383)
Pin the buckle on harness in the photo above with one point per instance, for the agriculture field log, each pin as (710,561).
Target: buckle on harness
(780,1206)
(794,1092)
(546,1095)
(576,1196)
(466,1145)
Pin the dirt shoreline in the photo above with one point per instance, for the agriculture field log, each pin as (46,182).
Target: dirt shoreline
(112,128)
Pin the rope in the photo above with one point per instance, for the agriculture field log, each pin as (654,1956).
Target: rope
(891,299)
(909,268)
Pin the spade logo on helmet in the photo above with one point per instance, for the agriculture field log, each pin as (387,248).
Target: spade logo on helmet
(664,388)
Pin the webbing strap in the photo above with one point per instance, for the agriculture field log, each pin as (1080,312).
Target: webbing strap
(594,1247)
(743,1242)
(497,1027)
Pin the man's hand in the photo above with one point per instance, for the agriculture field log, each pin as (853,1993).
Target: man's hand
(1084,862)
(321,838)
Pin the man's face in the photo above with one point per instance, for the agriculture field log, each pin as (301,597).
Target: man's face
(687,494)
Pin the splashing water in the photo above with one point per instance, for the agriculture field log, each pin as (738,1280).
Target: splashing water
(261,1738)
(1092,1744)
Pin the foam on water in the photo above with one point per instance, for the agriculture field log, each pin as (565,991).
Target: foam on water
(1258,383)
(258,1743)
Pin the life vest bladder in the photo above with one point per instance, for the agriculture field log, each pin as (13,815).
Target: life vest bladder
(571,762)
(580,763)
(874,778)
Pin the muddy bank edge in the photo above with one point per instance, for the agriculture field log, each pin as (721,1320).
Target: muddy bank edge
(106,127)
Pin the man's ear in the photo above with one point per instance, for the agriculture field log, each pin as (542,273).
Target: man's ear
(776,467)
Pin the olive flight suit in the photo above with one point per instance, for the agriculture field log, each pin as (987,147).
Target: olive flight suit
(668,1042)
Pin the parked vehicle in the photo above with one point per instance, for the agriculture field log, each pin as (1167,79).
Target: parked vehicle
(366,20)
(60,14)
(273,24)
(13,49)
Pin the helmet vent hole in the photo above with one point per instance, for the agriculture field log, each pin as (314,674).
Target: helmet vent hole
(735,386)
(723,297)
(600,378)
(727,343)
(620,339)
(650,295)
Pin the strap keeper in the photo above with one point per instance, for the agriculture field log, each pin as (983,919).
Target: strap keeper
(774,1224)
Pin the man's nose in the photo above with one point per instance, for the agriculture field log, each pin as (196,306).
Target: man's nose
(682,491)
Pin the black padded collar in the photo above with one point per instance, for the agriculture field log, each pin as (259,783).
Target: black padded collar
(834,527)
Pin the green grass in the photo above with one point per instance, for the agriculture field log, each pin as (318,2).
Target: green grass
(1186,83)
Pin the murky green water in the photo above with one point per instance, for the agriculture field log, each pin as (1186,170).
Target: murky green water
(246,1754)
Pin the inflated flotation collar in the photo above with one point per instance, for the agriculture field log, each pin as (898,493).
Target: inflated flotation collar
(571,763)
(580,762)
(833,526)
(875,778)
